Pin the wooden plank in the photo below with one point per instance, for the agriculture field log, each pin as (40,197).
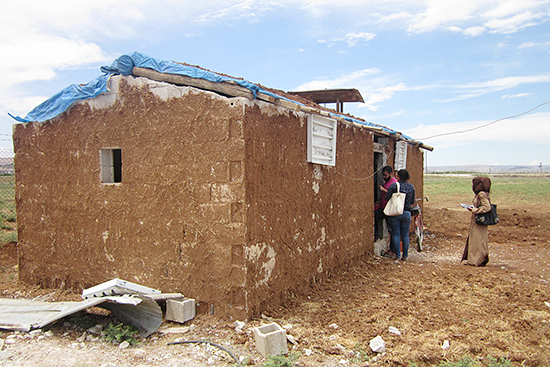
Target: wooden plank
(287,104)
(265,97)
(427,147)
(223,88)
(307,109)
(228,88)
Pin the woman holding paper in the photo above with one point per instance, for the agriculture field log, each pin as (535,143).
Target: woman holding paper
(476,251)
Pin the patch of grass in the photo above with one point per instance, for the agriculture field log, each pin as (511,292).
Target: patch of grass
(281,361)
(361,354)
(9,217)
(244,362)
(7,209)
(7,237)
(464,362)
(468,361)
(4,225)
(512,190)
(7,193)
(499,362)
(121,333)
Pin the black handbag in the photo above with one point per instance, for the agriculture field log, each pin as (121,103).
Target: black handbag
(489,218)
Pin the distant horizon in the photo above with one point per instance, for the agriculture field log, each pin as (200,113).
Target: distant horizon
(488,165)
(484,168)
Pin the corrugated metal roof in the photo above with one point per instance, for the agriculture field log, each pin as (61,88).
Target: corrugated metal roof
(26,315)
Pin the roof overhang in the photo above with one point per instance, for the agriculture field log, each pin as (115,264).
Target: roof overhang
(338,96)
(332,95)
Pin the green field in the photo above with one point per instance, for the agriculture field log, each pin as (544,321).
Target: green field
(513,190)
(8,231)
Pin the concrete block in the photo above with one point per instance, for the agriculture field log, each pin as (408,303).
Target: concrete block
(270,339)
(180,310)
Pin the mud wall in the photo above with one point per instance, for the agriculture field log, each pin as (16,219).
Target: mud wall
(304,220)
(415,166)
(175,221)
(216,199)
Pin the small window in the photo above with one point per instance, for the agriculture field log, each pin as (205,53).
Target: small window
(400,155)
(111,165)
(321,140)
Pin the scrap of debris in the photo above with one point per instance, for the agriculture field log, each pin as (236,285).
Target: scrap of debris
(130,303)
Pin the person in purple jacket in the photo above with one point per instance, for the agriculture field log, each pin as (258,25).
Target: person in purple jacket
(387,175)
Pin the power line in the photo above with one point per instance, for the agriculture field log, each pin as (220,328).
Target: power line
(485,125)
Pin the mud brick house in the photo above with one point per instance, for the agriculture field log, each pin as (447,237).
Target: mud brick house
(189,181)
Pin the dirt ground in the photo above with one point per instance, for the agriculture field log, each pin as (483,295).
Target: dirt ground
(501,310)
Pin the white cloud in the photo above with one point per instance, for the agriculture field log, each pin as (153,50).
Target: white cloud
(380,95)
(439,14)
(477,16)
(527,45)
(470,17)
(474,31)
(533,44)
(352,38)
(401,16)
(39,40)
(534,127)
(519,95)
(44,54)
(343,81)
(19,105)
(513,23)
(477,89)
(471,31)
(505,83)
(248,9)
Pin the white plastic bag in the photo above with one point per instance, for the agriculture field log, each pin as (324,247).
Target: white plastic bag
(396,204)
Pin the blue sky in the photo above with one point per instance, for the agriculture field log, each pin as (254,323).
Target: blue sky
(423,68)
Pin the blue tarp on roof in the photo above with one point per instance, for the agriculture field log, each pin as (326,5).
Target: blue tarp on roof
(61,101)
(124,65)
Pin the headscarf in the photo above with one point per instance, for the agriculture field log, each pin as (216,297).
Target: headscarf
(481,184)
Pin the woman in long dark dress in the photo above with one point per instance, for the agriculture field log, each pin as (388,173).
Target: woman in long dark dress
(476,251)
